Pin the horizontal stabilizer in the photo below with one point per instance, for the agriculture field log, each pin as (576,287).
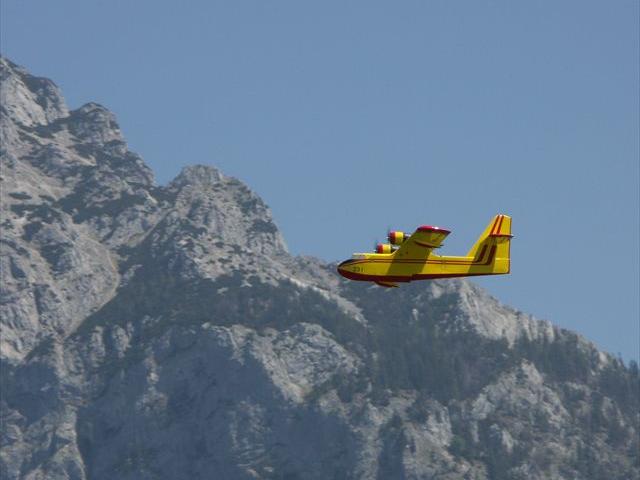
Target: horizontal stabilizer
(500,226)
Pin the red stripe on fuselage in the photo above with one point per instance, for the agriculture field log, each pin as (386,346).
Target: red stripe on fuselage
(407,278)
(479,257)
(417,276)
(434,262)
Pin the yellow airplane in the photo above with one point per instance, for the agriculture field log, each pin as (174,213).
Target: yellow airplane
(410,257)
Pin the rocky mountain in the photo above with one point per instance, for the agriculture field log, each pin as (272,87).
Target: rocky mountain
(164,332)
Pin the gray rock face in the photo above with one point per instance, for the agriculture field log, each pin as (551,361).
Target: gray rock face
(165,332)
(29,100)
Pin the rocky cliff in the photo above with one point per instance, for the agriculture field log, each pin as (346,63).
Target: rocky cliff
(165,332)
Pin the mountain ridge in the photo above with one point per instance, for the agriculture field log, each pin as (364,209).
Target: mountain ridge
(165,331)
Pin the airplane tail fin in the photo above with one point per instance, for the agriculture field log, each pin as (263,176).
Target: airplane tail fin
(493,247)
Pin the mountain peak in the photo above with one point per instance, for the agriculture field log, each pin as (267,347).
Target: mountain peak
(93,123)
(227,208)
(202,175)
(27,99)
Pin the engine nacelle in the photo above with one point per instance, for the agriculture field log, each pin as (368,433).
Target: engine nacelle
(396,238)
(384,248)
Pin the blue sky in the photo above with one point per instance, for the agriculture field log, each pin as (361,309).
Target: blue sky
(352,117)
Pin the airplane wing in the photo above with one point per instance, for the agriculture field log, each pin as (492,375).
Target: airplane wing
(421,242)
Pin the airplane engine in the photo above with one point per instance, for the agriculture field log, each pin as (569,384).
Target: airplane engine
(384,248)
(396,238)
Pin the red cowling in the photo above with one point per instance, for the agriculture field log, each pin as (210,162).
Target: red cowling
(383,248)
(396,238)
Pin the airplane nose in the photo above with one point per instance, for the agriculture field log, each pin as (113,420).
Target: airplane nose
(341,269)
